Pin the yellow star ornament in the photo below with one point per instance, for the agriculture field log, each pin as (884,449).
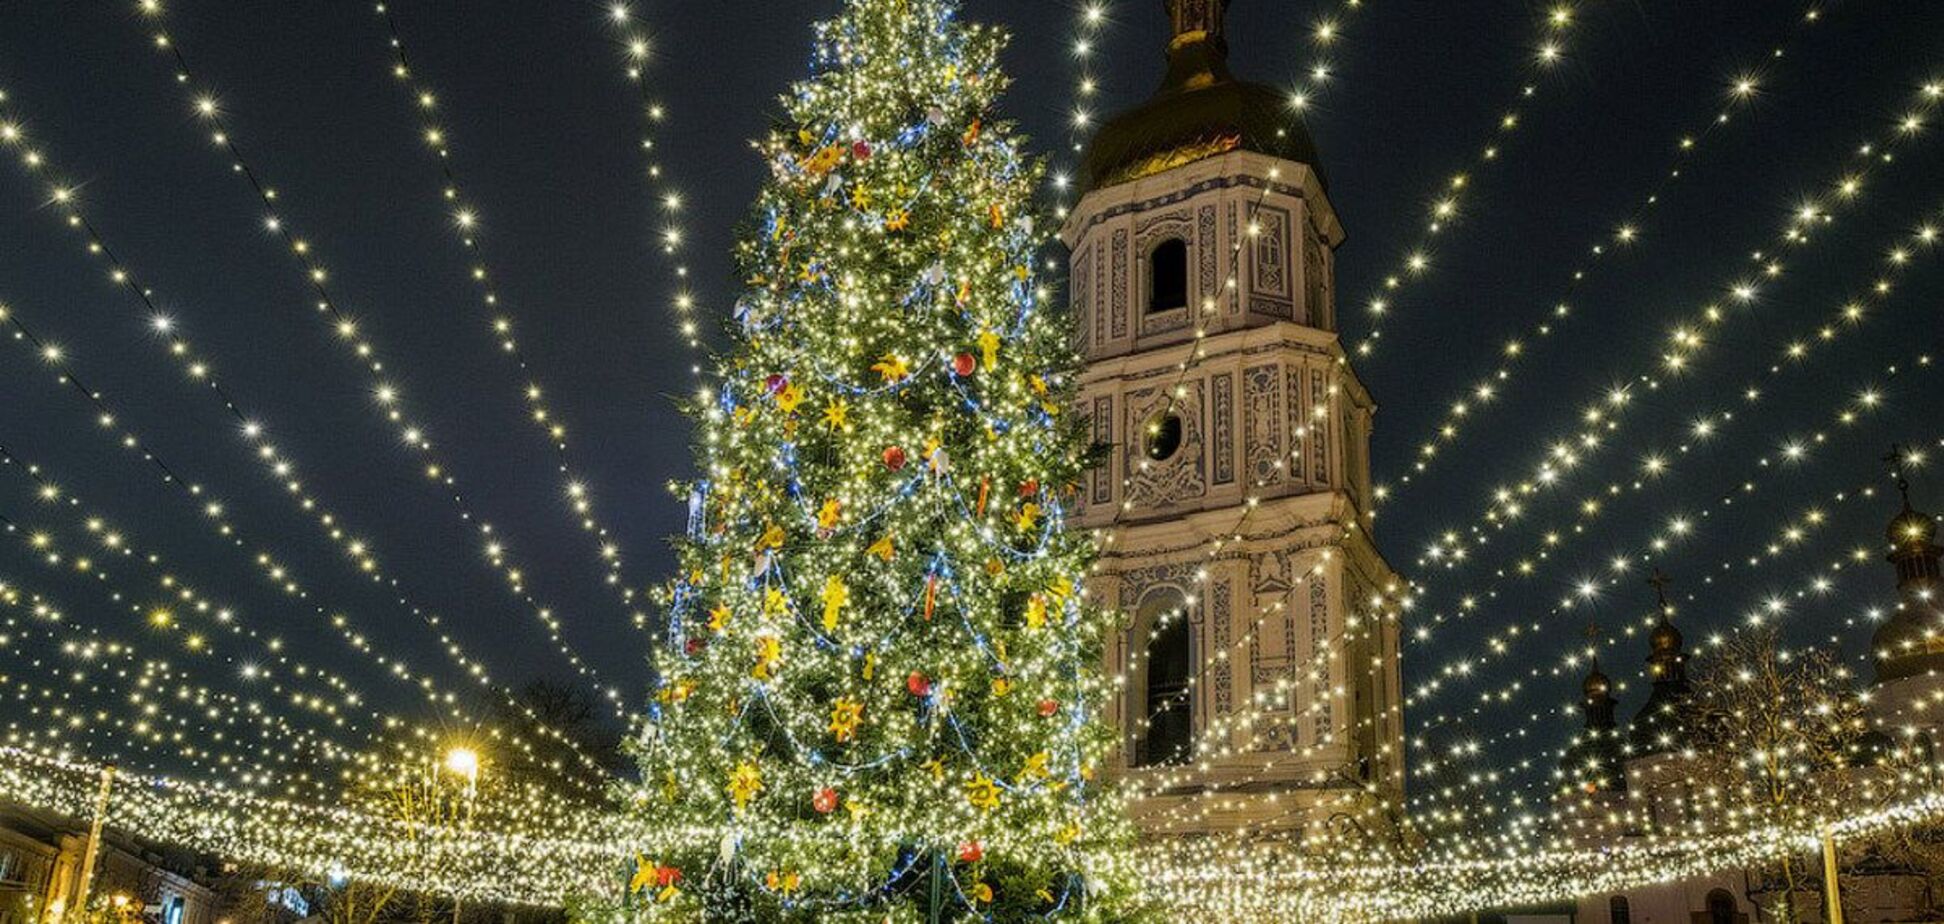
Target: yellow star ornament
(744,784)
(845,716)
(836,414)
(892,368)
(835,595)
(982,792)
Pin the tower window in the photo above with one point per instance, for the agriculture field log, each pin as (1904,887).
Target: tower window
(1619,911)
(1163,436)
(1168,276)
(1721,907)
(1167,707)
(1167,696)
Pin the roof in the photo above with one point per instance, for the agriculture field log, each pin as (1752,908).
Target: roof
(1200,111)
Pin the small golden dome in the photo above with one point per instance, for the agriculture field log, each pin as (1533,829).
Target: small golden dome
(1912,529)
(1665,638)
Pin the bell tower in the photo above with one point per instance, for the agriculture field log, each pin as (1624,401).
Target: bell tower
(1258,653)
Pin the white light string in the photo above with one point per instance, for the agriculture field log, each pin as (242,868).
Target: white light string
(1656,471)
(389,402)
(1502,647)
(270,565)
(1490,390)
(465,226)
(287,747)
(1793,533)
(173,608)
(631,35)
(1552,32)
(271,458)
(115,541)
(79,663)
(1601,420)
(1820,583)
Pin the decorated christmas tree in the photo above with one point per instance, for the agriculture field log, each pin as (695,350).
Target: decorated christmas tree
(880,694)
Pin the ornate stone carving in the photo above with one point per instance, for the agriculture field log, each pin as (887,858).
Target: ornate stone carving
(1262,423)
(1234,232)
(1103,435)
(1218,640)
(1239,181)
(1270,274)
(1272,651)
(1205,244)
(1156,226)
(1180,477)
(1136,584)
(1093,324)
(1319,607)
(1119,279)
(1319,428)
(1222,427)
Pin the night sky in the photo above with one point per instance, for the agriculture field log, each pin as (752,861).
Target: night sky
(544,132)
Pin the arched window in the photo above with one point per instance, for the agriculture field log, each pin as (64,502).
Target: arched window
(1168,276)
(1168,707)
(1618,911)
(1721,907)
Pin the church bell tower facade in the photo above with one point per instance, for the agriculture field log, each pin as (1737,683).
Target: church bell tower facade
(1258,651)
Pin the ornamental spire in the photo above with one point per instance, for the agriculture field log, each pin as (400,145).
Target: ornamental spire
(1198,53)
(1197,20)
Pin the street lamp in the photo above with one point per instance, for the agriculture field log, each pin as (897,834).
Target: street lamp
(464,762)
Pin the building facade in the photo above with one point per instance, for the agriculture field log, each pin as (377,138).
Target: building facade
(1616,783)
(41,857)
(1235,493)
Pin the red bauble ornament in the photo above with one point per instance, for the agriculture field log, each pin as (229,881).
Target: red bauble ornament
(775,382)
(825,801)
(1048,708)
(1029,489)
(861,150)
(918,684)
(964,364)
(971,852)
(666,876)
(694,646)
(894,458)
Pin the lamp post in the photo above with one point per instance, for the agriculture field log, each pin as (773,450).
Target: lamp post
(463,762)
(1832,891)
(79,909)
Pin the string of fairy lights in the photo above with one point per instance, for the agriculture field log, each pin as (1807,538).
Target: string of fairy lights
(117,541)
(175,608)
(201,742)
(631,35)
(1792,533)
(1656,471)
(389,402)
(1486,391)
(1283,878)
(1552,40)
(270,564)
(1601,419)
(1819,582)
(1869,157)
(1440,806)
(467,222)
(77,660)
